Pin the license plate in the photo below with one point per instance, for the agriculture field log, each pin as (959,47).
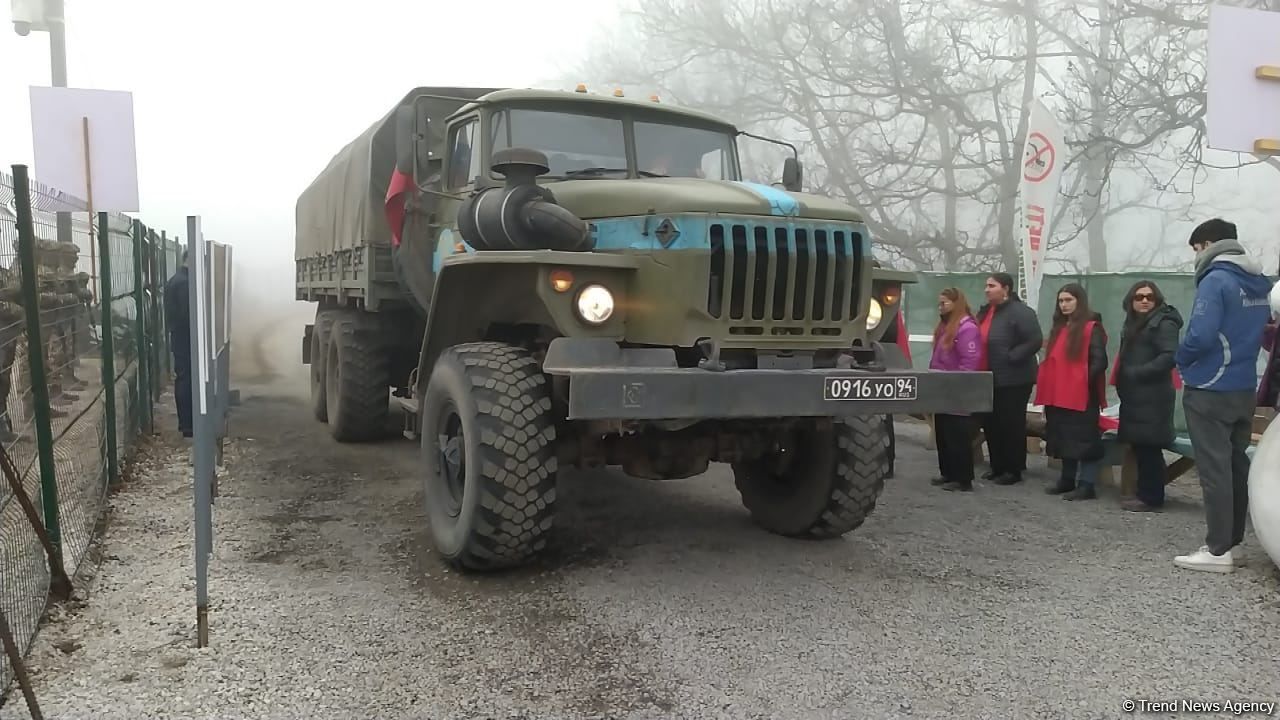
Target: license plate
(880,387)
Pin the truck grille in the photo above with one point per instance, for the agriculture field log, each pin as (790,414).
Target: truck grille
(776,276)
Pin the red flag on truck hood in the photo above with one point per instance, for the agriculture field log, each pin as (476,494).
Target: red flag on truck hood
(394,205)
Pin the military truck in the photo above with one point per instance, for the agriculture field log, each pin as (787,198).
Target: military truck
(538,279)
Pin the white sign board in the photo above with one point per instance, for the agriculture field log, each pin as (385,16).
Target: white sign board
(58,120)
(1240,108)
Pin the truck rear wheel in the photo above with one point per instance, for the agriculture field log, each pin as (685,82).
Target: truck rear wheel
(488,448)
(319,352)
(824,486)
(357,400)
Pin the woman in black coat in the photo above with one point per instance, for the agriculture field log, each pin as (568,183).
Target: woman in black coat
(1144,381)
(1011,337)
(1071,385)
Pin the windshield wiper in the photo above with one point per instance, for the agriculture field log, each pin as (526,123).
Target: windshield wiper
(596,171)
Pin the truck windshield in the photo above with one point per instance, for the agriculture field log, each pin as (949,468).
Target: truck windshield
(580,145)
(571,142)
(677,151)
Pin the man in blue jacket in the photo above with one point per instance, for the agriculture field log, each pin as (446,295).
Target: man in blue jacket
(1218,359)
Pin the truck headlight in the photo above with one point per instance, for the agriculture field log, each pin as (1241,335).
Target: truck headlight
(595,304)
(874,315)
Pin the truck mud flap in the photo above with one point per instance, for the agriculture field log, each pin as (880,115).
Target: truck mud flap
(409,408)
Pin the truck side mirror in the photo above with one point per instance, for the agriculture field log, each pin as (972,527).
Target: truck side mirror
(792,174)
(406,141)
(422,133)
(413,139)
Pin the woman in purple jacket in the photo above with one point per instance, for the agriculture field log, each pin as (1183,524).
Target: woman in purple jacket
(957,345)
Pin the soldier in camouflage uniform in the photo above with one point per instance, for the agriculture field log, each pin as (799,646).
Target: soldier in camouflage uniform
(12,335)
(68,315)
(51,303)
(85,317)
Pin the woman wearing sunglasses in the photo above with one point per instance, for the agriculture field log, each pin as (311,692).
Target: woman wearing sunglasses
(1144,382)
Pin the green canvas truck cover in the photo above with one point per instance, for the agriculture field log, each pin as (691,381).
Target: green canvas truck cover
(343,207)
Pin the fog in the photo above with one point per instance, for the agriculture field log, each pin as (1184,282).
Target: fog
(239,104)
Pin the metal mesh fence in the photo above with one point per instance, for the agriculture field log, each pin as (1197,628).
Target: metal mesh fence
(93,406)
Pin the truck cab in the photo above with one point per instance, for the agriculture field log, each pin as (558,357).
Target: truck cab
(749,265)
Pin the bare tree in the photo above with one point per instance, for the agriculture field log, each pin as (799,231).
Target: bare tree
(916,111)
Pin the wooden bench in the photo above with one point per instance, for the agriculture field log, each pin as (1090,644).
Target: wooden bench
(1121,454)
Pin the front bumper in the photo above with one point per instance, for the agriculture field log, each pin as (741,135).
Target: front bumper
(644,385)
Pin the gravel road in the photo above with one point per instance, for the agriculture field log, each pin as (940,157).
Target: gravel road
(657,600)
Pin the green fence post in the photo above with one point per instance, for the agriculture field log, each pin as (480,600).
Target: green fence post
(108,349)
(140,329)
(163,325)
(153,318)
(36,357)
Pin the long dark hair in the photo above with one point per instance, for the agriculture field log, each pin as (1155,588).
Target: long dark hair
(1134,321)
(1074,323)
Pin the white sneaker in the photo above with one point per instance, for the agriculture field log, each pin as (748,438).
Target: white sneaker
(1206,561)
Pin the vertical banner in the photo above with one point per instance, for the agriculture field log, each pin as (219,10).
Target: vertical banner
(1042,157)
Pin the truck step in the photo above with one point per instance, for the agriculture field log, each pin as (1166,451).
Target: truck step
(409,407)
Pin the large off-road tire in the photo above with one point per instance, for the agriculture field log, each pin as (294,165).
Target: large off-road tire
(488,450)
(831,486)
(357,380)
(319,351)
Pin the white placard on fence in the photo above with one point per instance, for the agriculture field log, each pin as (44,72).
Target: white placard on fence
(1240,109)
(59,120)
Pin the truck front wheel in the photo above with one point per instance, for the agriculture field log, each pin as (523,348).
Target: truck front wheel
(488,449)
(822,485)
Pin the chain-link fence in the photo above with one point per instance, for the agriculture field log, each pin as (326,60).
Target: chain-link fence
(83,355)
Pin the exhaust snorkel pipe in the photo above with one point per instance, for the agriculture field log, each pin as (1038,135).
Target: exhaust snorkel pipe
(521,215)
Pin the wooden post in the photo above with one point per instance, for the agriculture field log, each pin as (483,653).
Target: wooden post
(88,187)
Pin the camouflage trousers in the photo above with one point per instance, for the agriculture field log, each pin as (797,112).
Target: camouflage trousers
(59,355)
(8,357)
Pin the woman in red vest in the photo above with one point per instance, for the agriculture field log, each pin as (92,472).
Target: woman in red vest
(1071,387)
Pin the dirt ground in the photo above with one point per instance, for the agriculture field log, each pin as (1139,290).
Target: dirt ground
(656,600)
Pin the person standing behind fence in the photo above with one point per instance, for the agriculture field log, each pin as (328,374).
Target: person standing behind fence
(957,345)
(1011,337)
(177,317)
(1143,377)
(12,332)
(1071,386)
(1218,359)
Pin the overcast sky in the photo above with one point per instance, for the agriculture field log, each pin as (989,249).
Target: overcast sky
(240,103)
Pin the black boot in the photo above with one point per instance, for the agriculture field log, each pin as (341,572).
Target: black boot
(1084,492)
(1007,479)
(938,481)
(1064,485)
(958,486)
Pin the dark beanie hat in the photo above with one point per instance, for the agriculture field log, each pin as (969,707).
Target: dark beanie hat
(1211,231)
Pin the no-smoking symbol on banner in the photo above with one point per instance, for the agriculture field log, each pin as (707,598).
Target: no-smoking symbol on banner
(1040,158)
